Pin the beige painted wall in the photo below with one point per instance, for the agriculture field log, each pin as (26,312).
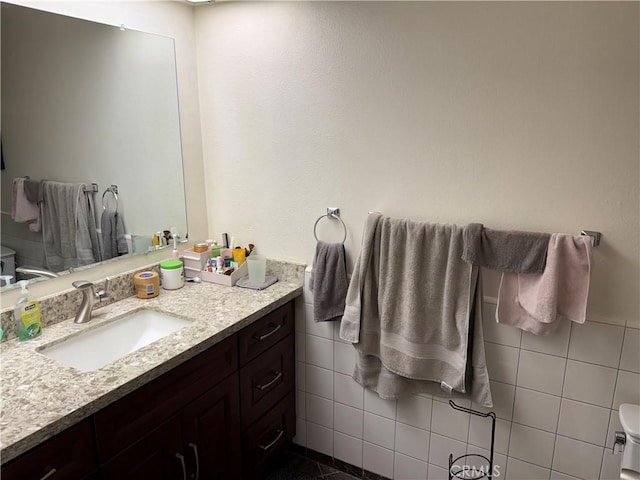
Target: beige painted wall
(515,115)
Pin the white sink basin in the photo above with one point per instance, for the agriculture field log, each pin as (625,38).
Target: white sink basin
(93,349)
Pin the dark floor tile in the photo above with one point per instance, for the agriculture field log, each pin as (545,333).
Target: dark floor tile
(347,468)
(339,476)
(297,463)
(291,466)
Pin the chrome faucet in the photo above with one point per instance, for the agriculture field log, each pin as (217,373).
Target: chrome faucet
(40,272)
(89,298)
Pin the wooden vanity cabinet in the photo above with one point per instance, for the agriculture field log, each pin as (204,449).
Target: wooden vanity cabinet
(201,441)
(267,384)
(70,455)
(186,421)
(220,415)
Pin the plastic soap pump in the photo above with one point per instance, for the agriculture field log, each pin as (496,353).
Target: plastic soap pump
(27,314)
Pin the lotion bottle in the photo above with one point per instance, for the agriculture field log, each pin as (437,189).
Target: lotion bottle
(27,314)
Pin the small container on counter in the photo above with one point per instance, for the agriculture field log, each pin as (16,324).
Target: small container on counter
(147,284)
(172,274)
(200,247)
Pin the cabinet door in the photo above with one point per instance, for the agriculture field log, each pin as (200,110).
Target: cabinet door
(211,429)
(127,420)
(157,456)
(68,455)
(267,436)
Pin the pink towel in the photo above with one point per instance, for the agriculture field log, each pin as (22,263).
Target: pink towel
(22,210)
(535,302)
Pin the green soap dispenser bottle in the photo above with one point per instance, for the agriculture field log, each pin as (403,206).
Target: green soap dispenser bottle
(27,314)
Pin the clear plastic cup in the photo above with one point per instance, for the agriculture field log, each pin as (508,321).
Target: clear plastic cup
(257,265)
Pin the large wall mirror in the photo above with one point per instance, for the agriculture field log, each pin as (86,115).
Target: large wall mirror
(84,102)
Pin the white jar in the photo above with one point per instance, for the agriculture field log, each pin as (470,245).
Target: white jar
(172,274)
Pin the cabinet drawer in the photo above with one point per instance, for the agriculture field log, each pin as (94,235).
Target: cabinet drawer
(266,379)
(268,435)
(269,330)
(130,418)
(70,453)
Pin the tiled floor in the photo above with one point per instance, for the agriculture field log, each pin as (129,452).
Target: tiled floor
(297,463)
(293,466)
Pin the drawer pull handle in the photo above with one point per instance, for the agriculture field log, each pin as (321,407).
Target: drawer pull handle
(195,454)
(184,467)
(267,385)
(267,335)
(49,474)
(267,447)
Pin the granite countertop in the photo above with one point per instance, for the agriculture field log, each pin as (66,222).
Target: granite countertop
(41,397)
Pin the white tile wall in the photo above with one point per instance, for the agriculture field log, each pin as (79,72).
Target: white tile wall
(596,343)
(631,351)
(348,449)
(576,458)
(536,409)
(555,397)
(627,389)
(408,468)
(319,410)
(541,372)
(349,420)
(585,422)
(378,460)
(556,344)
(520,470)
(412,441)
(379,430)
(531,445)
(590,383)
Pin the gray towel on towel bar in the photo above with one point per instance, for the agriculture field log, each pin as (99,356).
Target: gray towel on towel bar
(329,281)
(114,242)
(33,190)
(415,317)
(505,251)
(68,226)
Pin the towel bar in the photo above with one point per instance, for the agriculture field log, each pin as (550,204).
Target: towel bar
(113,190)
(90,188)
(331,213)
(595,236)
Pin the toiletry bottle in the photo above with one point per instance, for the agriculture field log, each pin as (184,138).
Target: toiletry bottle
(215,250)
(27,314)
(239,255)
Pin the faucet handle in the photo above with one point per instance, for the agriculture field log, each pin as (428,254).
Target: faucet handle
(81,284)
(105,292)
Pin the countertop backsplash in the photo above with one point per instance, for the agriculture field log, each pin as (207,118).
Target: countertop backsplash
(62,306)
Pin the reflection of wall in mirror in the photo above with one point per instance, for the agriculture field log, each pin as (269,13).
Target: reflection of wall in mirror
(86,102)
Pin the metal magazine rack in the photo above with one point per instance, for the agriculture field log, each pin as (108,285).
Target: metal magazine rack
(459,467)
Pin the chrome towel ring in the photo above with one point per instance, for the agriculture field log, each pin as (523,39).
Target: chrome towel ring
(113,190)
(331,213)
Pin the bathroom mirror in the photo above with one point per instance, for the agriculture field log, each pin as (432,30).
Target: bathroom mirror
(90,103)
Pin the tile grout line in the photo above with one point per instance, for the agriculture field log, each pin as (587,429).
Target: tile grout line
(564,377)
(513,406)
